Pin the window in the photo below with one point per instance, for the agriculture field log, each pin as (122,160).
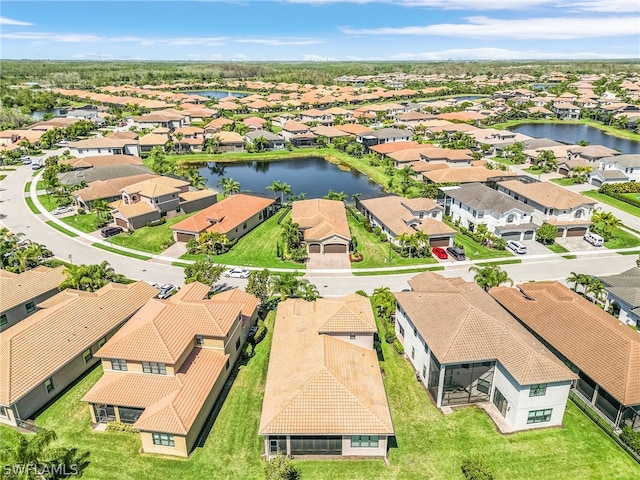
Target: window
(481,214)
(154,367)
(352,336)
(199,340)
(539,416)
(244,226)
(227,365)
(102,341)
(483,386)
(163,439)
(364,441)
(424,371)
(579,213)
(48,384)
(3,411)
(87,355)
(400,329)
(413,353)
(117,364)
(31,307)
(426,348)
(538,390)
(415,332)
(3,320)
(237,344)
(510,218)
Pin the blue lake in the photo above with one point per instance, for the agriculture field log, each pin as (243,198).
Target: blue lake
(217,93)
(572,134)
(312,175)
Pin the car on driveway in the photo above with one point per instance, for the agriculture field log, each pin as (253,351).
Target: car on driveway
(440,252)
(237,273)
(457,253)
(110,231)
(62,209)
(166,290)
(516,247)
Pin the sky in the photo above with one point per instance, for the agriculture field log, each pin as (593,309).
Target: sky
(320,30)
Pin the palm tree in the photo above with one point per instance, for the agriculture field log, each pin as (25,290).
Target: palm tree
(403,240)
(490,276)
(89,277)
(229,186)
(384,302)
(423,240)
(308,290)
(576,279)
(179,136)
(595,287)
(260,143)
(211,144)
(290,234)
(286,285)
(103,211)
(281,187)
(605,223)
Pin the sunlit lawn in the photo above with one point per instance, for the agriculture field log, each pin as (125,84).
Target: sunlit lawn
(86,223)
(614,202)
(150,239)
(622,239)
(474,251)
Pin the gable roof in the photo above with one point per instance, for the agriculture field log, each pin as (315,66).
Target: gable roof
(547,194)
(462,324)
(625,286)
(68,324)
(156,186)
(18,288)
(600,345)
(102,161)
(110,187)
(463,174)
(386,133)
(482,198)
(321,218)
(331,386)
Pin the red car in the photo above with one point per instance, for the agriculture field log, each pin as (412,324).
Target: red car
(440,253)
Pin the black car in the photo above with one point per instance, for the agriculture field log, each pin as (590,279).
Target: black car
(457,253)
(110,231)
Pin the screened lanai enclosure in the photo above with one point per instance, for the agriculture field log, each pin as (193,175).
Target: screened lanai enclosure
(460,384)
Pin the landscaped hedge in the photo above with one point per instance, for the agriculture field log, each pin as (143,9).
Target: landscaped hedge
(627,187)
(260,333)
(155,223)
(631,438)
(121,427)
(398,346)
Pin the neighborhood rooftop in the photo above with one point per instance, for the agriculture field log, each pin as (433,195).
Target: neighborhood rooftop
(17,288)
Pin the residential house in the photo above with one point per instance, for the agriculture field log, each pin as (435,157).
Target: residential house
(323,225)
(317,117)
(274,142)
(167,119)
(233,216)
(384,135)
(473,204)
(623,296)
(151,140)
(101,161)
(570,212)
(189,138)
(164,370)
(466,349)
(229,141)
(628,164)
(43,354)
(450,157)
(600,349)
(22,292)
(330,132)
(90,114)
(215,126)
(108,190)
(593,154)
(298,134)
(104,146)
(354,129)
(459,174)
(396,215)
(324,393)
(566,110)
(601,177)
(101,173)
(254,123)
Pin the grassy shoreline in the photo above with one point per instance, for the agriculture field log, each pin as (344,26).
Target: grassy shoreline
(608,129)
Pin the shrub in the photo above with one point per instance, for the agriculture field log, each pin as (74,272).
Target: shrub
(155,223)
(362,293)
(474,468)
(383,237)
(355,257)
(377,231)
(631,438)
(260,333)
(247,351)
(398,346)
(81,211)
(121,427)
(390,336)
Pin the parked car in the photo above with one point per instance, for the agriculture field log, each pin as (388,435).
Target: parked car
(166,290)
(237,273)
(123,124)
(457,253)
(594,239)
(440,252)
(25,160)
(517,247)
(35,165)
(110,231)
(62,209)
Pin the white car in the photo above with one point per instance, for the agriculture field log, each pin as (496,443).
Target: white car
(62,209)
(517,247)
(166,290)
(237,273)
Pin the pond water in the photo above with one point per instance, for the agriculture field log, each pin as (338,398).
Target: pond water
(572,134)
(466,98)
(217,93)
(312,175)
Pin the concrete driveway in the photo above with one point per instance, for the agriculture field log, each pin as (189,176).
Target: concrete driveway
(328,261)
(534,248)
(577,244)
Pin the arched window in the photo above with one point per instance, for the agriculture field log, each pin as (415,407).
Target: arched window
(511,218)
(579,213)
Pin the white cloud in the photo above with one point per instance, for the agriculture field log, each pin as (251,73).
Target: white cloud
(11,21)
(558,28)
(500,54)
(611,6)
(583,5)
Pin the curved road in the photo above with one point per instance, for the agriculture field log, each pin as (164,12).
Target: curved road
(17,217)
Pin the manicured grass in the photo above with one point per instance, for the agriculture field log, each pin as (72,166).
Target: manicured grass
(150,239)
(502,160)
(376,253)
(31,205)
(27,186)
(636,252)
(556,248)
(2,177)
(475,251)
(86,223)
(256,249)
(501,262)
(40,185)
(569,257)
(614,202)
(180,264)
(55,226)
(119,252)
(565,182)
(395,272)
(533,170)
(49,202)
(622,239)
(616,132)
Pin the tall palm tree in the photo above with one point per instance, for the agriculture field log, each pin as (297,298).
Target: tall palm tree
(286,285)
(490,276)
(260,144)
(229,185)
(89,277)
(423,240)
(384,302)
(576,279)
(403,240)
(103,211)
(290,234)
(211,144)
(308,290)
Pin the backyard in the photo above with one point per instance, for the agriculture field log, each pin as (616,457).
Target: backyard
(427,445)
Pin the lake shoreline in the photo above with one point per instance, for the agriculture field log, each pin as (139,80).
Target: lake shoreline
(606,129)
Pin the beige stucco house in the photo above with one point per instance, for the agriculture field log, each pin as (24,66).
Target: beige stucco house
(323,225)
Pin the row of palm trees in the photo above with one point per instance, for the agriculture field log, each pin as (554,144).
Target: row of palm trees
(591,287)
(414,244)
(18,254)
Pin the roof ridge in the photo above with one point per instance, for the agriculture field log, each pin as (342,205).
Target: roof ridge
(457,332)
(157,331)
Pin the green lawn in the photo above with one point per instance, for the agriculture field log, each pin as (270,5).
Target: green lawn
(533,170)
(565,182)
(2,177)
(614,202)
(428,444)
(55,226)
(475,251)
(120,252)
(49,202)
(256,249)
(556,248)
(376,253)
(502,160)
(86,223)
(40,185)
(622,239)
(31,205)
(150,239)
(27,186)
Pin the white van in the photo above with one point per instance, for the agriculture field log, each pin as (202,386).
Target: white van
(517,247)
(593,239)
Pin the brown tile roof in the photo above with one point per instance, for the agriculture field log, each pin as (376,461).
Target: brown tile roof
(109,188)
(329,132)
(230,137)
(192,195)
(352,129)
(19,288)
(32,350)
(154,139)
(463,175)
(218,123)
(461,323)
(224,216)
(102,161)
(156,186)
(163,329)
(320,218)
(600,345)
(410,154)
(133,209)
(547,194)
(329,385)
(392,147)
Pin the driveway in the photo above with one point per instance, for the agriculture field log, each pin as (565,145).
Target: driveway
(577,244)
(328,261)
(534,248)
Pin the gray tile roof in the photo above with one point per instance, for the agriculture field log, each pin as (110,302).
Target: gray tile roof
(482,198)
(630,160)
(625,286)
(101,173)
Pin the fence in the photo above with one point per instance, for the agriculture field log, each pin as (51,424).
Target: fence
(604,424)
(29,425)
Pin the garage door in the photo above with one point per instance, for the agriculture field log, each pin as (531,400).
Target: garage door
(511,236)
(576,232)
(563,171)
(184,237)
(439,241)
(528,235)
(596,182)
(121,223)
(335,248)
(314,248)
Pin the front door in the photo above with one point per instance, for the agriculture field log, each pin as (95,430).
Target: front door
(101,415)
(500,402)
(104,413)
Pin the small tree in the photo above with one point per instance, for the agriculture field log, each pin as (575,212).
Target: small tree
(259,284)
(279,467)
(546,234)
(203,271)
(475,468)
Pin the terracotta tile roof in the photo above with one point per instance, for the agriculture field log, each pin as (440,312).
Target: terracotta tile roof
(218,123)
(293,126)
(18,288)
(102,161)
(547,194)
(352,129)
(446,154)
(109,188)
(154,139)
(61,332)
(156,186)
(133,209)
(163,329)
(461,324)
(320,218)
(224,216)
(329,132)
(410,154)
(124,135)
(463,175)
(331,386)
(230,137)
(392,147)
(598,344)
